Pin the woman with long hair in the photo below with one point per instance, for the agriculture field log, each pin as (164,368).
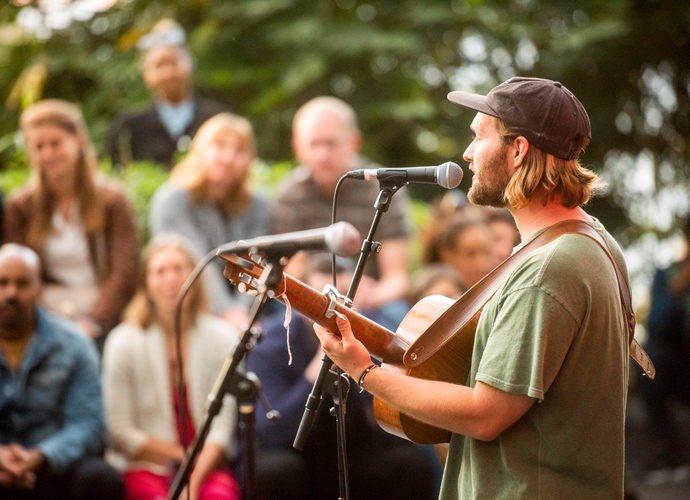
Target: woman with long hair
(81,224)
(209,200)
(151,414)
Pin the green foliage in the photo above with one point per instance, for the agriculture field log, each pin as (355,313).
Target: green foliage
(394,61)
(13,177)
(11,158)
(141,180)
(421,218)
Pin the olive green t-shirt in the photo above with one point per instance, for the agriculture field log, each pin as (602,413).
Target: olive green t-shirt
(556,332)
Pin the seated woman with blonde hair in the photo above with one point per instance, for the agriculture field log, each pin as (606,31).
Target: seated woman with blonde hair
(141,386)
(209,200)
(80,224)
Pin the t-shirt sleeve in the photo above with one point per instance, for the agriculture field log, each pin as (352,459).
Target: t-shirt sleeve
(528,343)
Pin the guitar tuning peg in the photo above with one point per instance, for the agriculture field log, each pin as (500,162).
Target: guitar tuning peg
(248,283)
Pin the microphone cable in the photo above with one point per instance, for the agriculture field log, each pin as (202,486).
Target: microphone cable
(177,327)
(333,212)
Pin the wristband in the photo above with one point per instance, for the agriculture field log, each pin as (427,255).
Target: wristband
(360,382)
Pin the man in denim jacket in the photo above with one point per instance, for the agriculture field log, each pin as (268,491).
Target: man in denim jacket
(51,409)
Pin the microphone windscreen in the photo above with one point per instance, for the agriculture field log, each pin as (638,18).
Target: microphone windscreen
(449,175)
(343,239)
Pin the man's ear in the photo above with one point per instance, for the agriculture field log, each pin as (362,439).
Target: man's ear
(521,146)
(296,150)
(356,141)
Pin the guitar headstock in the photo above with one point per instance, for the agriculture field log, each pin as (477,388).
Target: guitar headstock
(244,270)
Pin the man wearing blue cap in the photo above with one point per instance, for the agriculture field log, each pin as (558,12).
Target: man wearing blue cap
(542,414)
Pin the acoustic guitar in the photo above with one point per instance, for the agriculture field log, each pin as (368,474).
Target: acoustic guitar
(449,364)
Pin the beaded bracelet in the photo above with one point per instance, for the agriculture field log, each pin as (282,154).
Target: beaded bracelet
(360,382)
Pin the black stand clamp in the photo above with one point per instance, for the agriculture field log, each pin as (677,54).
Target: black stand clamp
(388,188)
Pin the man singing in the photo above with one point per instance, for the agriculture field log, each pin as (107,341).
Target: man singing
(542,414)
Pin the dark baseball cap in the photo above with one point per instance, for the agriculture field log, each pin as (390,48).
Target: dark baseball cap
(546,113)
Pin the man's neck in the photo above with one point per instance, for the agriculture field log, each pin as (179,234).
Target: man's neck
(14,347)
(536,216)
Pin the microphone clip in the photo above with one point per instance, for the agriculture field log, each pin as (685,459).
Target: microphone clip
(388,187)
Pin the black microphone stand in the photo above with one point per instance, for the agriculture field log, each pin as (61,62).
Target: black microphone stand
(244,386)
(388,187)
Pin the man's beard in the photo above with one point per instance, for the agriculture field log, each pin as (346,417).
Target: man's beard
(14,315)
(176,92)
(490,190)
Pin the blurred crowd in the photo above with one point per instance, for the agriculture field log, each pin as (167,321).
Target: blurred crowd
(91,396)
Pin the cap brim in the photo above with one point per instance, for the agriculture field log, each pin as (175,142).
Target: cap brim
(475,102)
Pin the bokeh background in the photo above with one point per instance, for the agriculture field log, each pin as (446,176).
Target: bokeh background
(394,60)
(628,61)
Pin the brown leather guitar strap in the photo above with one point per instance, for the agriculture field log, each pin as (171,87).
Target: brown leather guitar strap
(472,302)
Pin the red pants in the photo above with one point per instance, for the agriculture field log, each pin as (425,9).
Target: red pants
(145,485)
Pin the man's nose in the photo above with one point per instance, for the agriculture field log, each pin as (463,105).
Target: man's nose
(322,153)
(167,71)
(468,154)
(9,290)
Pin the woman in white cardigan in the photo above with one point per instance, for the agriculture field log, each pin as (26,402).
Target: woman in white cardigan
(141,387)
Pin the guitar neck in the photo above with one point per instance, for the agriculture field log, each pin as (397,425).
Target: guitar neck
(381,342)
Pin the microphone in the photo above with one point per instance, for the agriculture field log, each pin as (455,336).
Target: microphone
(447,175)
(341,238)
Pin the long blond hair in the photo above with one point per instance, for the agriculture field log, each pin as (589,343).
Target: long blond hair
(69,118)
(544,175)
(191,175)
(141,310)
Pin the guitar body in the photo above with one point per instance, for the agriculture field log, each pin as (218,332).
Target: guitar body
(451,364)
